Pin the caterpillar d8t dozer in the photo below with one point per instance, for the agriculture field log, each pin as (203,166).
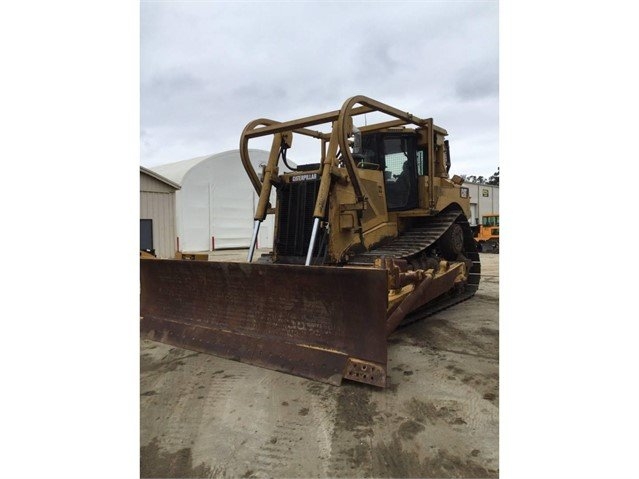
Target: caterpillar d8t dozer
(373,236)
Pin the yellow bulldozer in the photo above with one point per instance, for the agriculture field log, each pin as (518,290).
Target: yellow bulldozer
(370,238)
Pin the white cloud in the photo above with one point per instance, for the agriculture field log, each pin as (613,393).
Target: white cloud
(207,69)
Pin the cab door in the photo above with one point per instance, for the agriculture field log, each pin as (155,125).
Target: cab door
(396,155)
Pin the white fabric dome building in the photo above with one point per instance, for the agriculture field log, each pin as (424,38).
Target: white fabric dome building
(216,202)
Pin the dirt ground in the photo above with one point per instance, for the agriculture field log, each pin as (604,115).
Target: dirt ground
(203,416)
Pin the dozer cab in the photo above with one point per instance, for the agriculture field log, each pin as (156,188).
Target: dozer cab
(371,237)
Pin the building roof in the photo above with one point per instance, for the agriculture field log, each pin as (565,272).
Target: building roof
(178,170)
(159,177)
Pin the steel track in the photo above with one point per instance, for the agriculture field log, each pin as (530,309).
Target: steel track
(420,239)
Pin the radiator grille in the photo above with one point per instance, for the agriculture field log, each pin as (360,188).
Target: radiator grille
(296,202)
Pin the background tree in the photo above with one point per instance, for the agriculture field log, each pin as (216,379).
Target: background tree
(494,179)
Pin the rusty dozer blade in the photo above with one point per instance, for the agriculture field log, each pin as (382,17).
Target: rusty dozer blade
(322,323)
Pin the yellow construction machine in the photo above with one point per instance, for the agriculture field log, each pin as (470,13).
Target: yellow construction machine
(371,237)
(487,234)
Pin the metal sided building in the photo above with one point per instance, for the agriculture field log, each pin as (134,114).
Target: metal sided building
(484,200)
(216,202)
(157,213)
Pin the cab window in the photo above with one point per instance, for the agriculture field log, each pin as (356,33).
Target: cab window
(400,175)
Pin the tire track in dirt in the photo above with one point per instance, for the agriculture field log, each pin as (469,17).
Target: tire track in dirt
(354,417)
(186,395)
(299,437)
(278,457)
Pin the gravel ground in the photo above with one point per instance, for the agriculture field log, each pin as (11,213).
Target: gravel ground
(203,416)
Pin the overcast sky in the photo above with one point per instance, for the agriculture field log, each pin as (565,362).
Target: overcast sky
(208,68)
